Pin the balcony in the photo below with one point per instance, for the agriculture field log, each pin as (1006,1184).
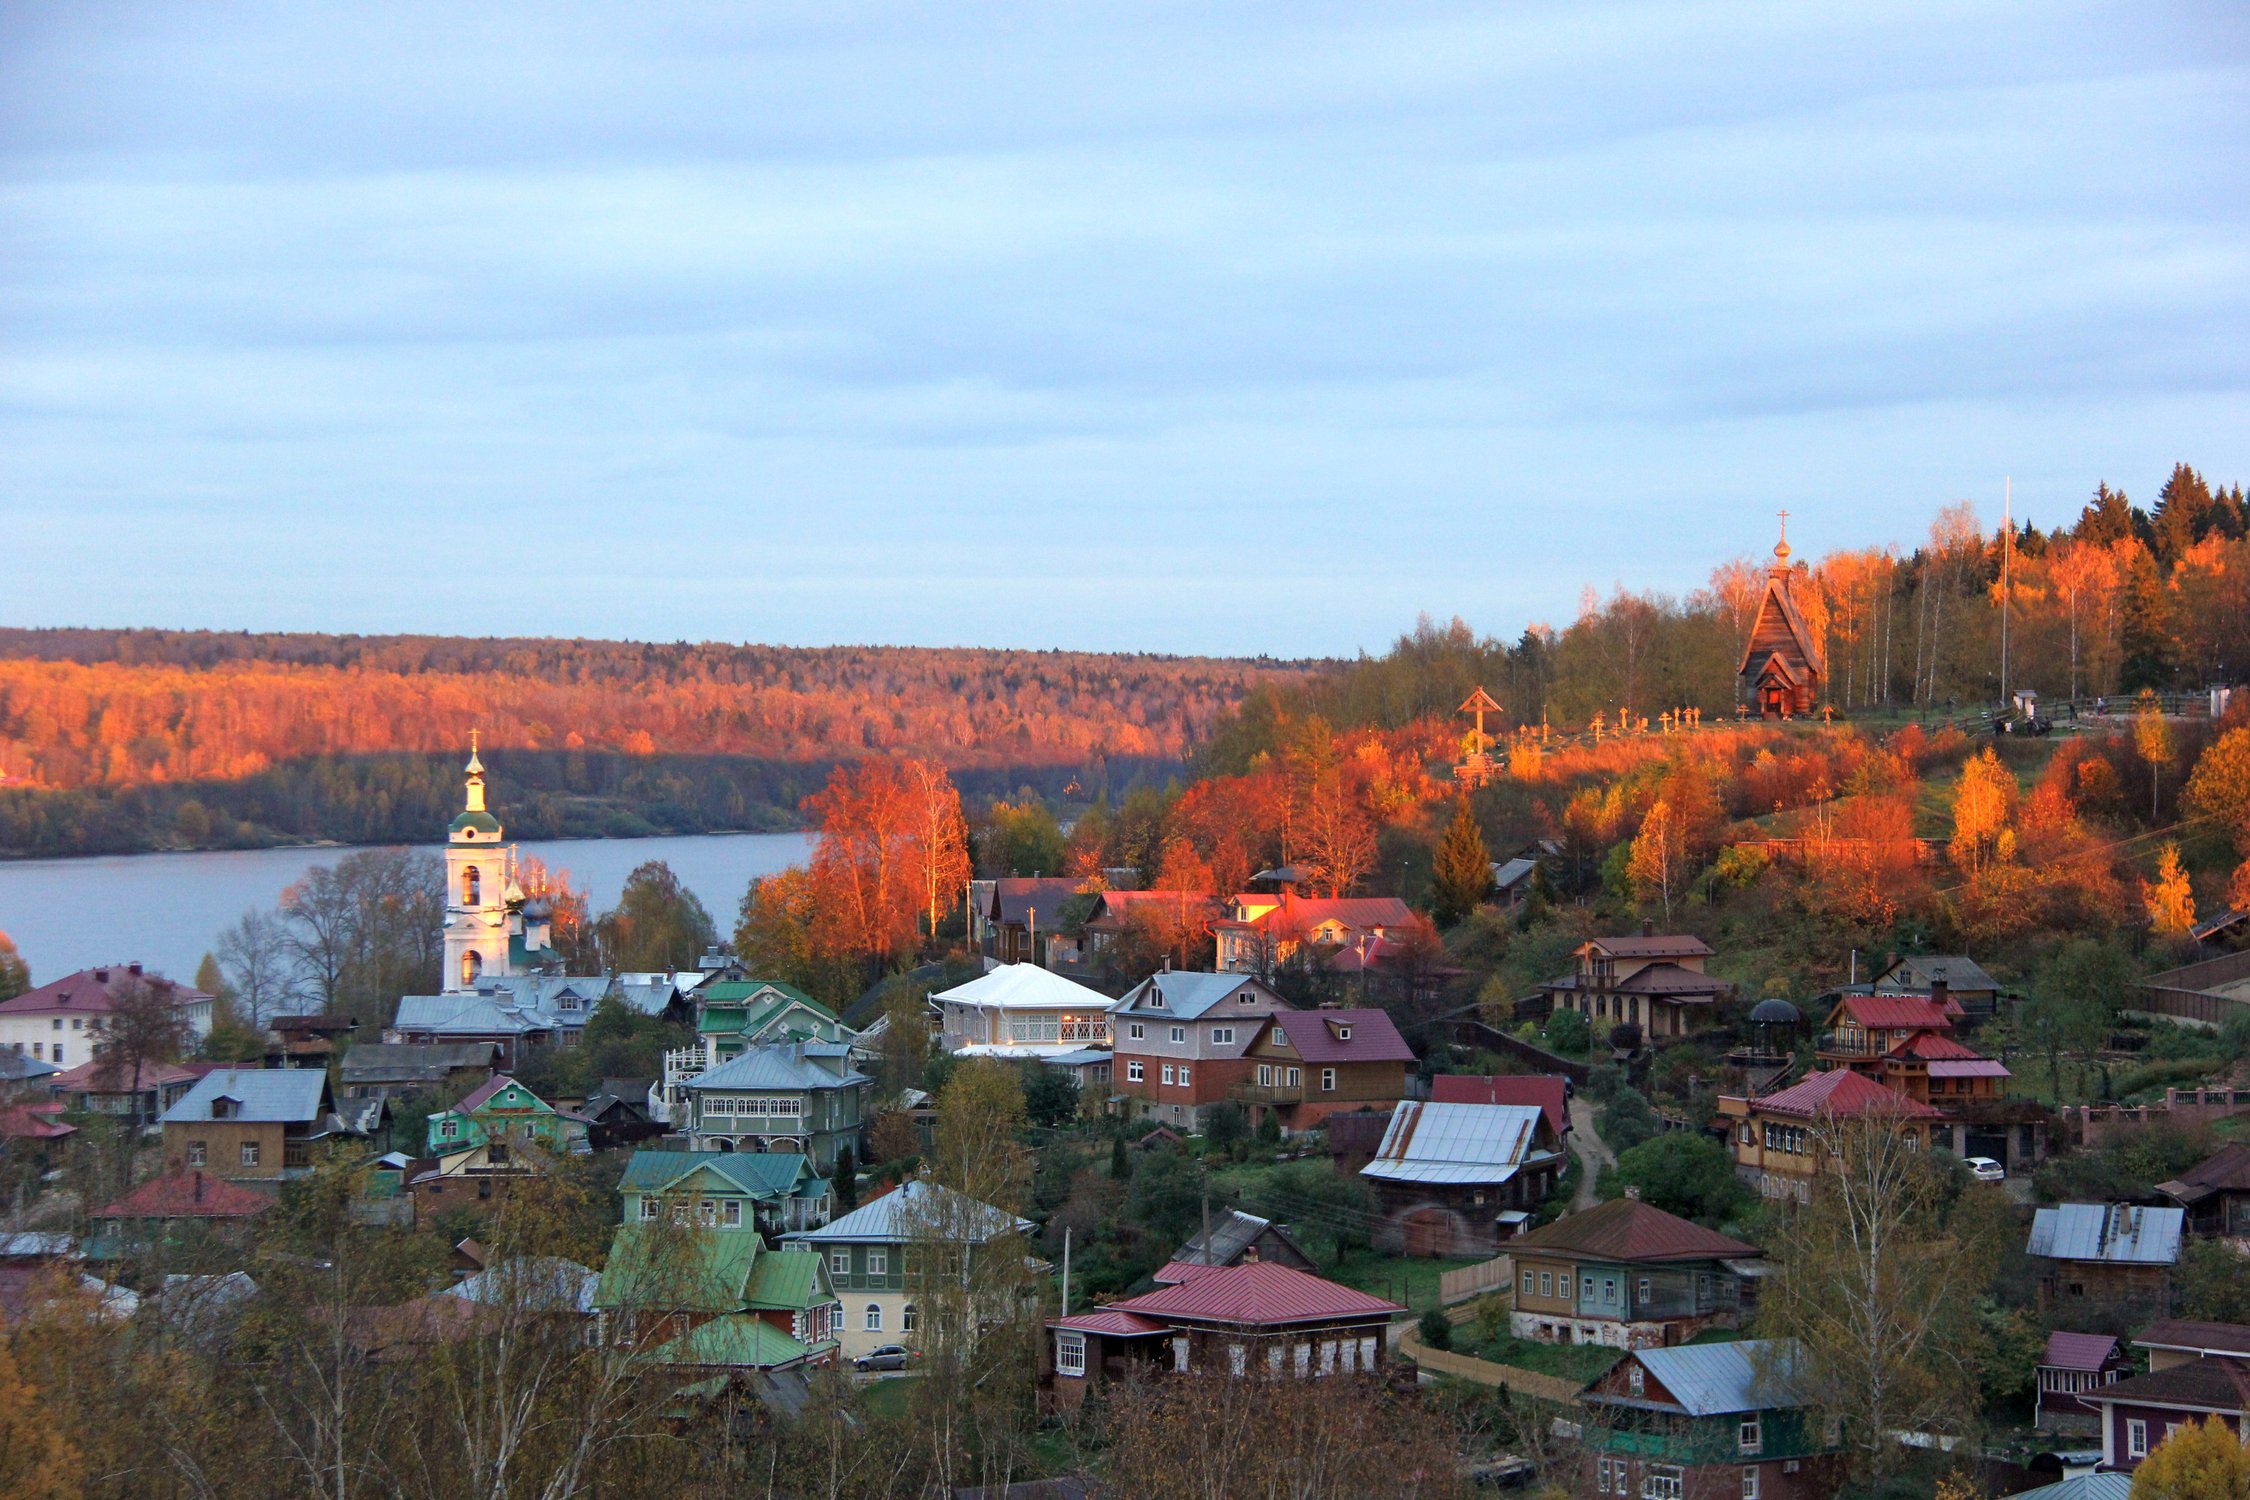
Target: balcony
(1268,1093)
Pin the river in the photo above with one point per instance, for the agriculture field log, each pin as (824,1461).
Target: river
(167,910)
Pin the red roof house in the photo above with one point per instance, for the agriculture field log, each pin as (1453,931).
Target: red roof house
(187,1195)
(2072,1363)
(1776,1137)
(1259,1316)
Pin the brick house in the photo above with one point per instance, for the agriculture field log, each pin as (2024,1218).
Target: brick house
(1306,1065)
(1259,1317)
(251,1125)
(1181,1040)
(1653,980)
(1629,1275)
(60,1021)
(1707,1422)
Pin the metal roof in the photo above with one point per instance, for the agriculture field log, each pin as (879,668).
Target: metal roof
(896,1216)
(265,1095)
(1188,993)
(1710,1379)
(544,1282)
(2078,1351)
(1262,1292)
(1024,987)
(1457,1143)
(2115,1233)
(761,1174)
(788,1066)
(2082,1487)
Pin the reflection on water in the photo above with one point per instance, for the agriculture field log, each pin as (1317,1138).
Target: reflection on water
(166,910)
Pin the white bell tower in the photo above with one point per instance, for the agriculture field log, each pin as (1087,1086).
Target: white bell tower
(476,890)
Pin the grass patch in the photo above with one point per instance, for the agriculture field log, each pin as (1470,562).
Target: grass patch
(1582,1363)
(888,1398)
(1412,1280)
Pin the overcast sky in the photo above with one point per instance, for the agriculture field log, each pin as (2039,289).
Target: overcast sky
(1192,327)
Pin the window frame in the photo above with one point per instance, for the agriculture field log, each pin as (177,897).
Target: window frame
(1070,1354)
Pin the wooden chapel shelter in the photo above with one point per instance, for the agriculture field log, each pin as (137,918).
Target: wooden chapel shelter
(1782,672)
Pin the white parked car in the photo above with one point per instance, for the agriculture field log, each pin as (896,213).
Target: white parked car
(1985,1169)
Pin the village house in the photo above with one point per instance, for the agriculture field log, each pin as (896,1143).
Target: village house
(2140,1411)
(1953,975)
(1303,1066)
(688,1299)
(1781,673)
(867,1252)
(60,1021)
(1021,913)
(1263,1317)
(1446,1174)
(800,1096)
(1260,932)
(1727,1421)
(166,1211)
(1181,1041)
(772,1191)
(1234,1239)
(1654,981)
(137,1094)
(522,1014)
(392,1070)
(1862,1030)
(1776,1138)
(2215,1192)
(1021,1012)
(472,1179)
(621,1112)
(731,1017)
(306,1041)
(24,1078)
(1629,1275)
(33,1134)
(501,1110)
(251,1125)
(1549,1091)
(2106,1252)
(1168,911)
(2071,1365)
(2179,1341)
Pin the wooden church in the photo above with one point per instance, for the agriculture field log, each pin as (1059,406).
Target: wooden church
(1782,673)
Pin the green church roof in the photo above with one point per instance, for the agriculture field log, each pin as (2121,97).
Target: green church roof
(482,822)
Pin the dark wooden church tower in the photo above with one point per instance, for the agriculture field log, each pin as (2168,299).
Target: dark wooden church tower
(1782,673)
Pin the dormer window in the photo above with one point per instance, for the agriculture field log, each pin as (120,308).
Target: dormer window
(1343,1033)
(1155,999)
(222,1108)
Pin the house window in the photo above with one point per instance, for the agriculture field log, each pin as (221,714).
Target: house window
(249,1153)
(1183,1075)
(878,1262)
(1265,1076)
(1180,1355)
(1328,1080)
(1601,1476)
(1750,1482)
(1246,998)
(874,1317)
(730,1213)
(1546,1283)
(1527,1283)
(448,1129)
(1155,999)
(649,1210)
(2136,1438)
(1070,1354)
(1367,1355)
(1751,1438)
(1167,1072)
(197,1153)
(1222,1036)
(1179,1033)
(1562,1286)
(1643,1300)
(1134,1072)
(1662,1482)
(1343,1033)
(707,1213)
(1238,1359)
(1295,1077)
(839,1263)
(1136,1030)
(906,1319)
(1636,1380)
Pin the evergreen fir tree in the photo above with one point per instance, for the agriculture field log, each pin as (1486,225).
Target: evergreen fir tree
(846,1182)
(1120,1164)
(1462,872)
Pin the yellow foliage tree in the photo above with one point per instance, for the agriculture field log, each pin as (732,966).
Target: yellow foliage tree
(36,1461)
(1983,805)
(2199,1461)
(2171,903)
(2219,786)
(2152,737)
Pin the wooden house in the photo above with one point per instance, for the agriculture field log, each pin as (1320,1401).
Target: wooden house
(772,1191)
(1776,1137)
(503,1110)
(867,1250)
(164,1209)
(1303,1066)
(2071,1365)
(1022,913)
(1265,1318)
(1629,1275)
(713,1302)
(1726,1421)
(2108,1252)
(251,1124)
(2136,1413)
(1234,1239)
(2215,1192)
(1445,1175)
(1651,980)
(1782,671)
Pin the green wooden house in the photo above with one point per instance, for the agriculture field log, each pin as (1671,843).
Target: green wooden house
(867,1249)
(686,1296)
(739,1014)
(1707,1419)
(774,1191)
(791,1097)
(503,1112)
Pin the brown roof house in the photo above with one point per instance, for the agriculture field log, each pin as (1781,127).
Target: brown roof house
(1022,913)
(1457,1179)
(1777,1137)
(1654,981)
(1629,1275)
(1306,1065)
(2073,1364)
(167,1210)
(2215,1192)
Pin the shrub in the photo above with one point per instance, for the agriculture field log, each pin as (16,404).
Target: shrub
(1567,1031)
(1604,1079)
(1628,1121)
(1436,1329)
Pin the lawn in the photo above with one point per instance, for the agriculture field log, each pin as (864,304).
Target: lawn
(1579,1362)
(1412,1280)
(888,1398)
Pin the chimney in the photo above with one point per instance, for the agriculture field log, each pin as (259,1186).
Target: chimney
(101,976)
(1648,927)
(1633,1192)
(133,969)
(1938,991)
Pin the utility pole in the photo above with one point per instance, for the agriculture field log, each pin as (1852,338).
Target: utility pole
(1066,1271)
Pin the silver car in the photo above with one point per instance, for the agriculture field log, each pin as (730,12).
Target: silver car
(1985,1169)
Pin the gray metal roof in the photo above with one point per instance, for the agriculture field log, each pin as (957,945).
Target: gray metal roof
(2082,1487)
(898,1216)
(412,1062)
(1958,970)
(1710,1379)
(264,1095)
(21,1067)
(1457,1143)
(780,1067)
(2116,1233)
(543,1282)
(1187,994)
(1506,875)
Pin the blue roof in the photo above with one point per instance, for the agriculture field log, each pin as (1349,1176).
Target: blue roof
(781,1067)
(2115,1233)
(1187,994)
(1710,1379)
(893,1217)
(262,1094)
(2082,1487)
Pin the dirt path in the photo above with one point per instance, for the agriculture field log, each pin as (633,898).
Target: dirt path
(1592,1152)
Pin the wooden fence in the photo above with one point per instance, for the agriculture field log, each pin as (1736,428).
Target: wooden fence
(1474,1281)
(1485,1372)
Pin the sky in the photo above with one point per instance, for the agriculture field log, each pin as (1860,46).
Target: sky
(1179,327)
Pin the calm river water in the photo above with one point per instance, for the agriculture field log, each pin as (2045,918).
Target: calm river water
(167,910)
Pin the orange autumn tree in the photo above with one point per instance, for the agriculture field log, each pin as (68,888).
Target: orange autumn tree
(1983,805)
(2170,901)
(893,844)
